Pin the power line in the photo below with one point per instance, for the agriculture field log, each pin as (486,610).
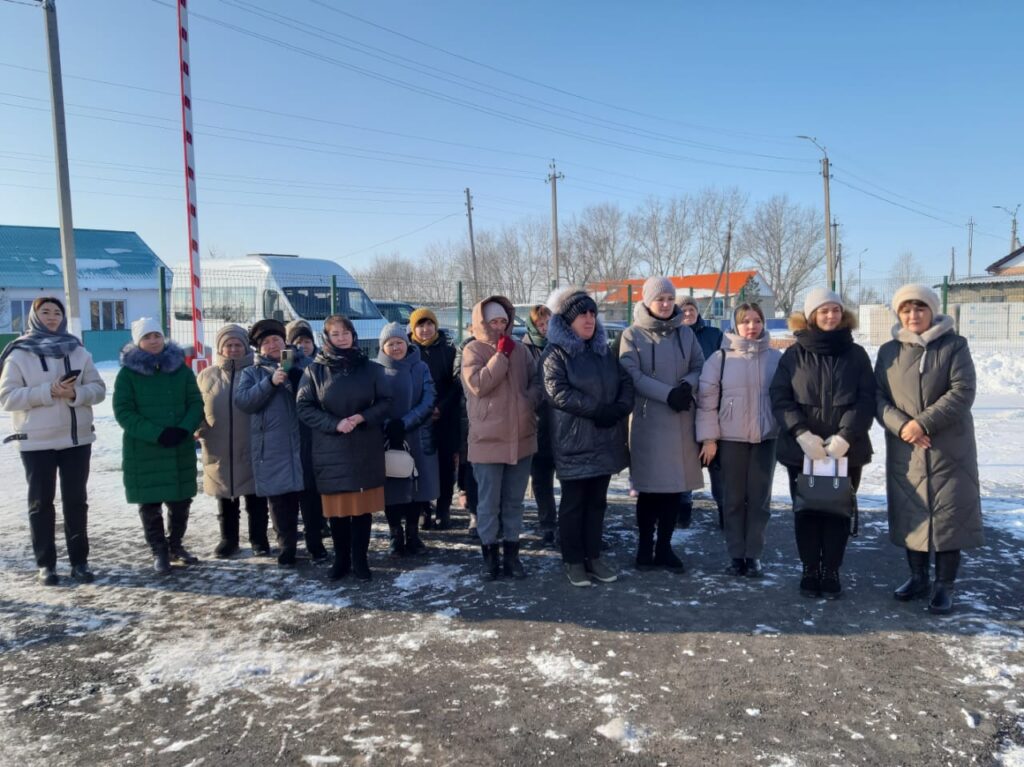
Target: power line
(401,236)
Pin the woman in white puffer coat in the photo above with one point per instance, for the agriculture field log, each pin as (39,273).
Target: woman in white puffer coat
(49,384)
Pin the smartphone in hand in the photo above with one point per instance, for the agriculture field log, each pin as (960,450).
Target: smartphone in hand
(287,359)
(71,375)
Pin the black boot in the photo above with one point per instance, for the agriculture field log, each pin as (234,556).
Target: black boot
(810,582)
(946,565)
(428,520)
(178,514)
(492,565)
(917,585)
(227,516)
(413,543)
(444,514)
(830,586)
(645,521)
(737,567)
(754,569)
(663,554)
(511,565)
(341,536)
(256,511)
(685,516)
(152,517)
(396,535)
(361,528)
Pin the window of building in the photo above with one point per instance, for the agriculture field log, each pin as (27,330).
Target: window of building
(107,315)
(19,315)
(718,307)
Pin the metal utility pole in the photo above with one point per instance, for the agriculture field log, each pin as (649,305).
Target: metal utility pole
(952,263)
(839,266)
(60,143)
(1014,242)
(830,268)
(553,178)
(835,248)
(860,278)
(472,246)
(970,245)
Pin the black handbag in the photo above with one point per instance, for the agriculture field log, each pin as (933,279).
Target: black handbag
(832,495)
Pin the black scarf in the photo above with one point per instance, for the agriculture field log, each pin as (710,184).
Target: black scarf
(831,343)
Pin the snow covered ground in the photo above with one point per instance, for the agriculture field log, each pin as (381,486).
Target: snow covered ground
(238,661)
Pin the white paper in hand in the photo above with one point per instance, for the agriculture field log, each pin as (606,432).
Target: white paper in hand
(826,467)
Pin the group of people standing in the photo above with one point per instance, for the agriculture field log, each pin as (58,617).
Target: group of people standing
(293,428)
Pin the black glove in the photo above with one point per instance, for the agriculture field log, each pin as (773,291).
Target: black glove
(394,430)
(172,436)
(680,397)
(606,416)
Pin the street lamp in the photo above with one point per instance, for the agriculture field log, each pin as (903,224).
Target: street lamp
(830,264)
(1013,225)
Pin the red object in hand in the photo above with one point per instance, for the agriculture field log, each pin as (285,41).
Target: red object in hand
(506,345)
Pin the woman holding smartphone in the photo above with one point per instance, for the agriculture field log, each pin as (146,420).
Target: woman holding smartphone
(49,384)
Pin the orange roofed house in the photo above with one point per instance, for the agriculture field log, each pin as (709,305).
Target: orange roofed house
(710,290)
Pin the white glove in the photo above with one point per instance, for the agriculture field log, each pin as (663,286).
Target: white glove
(812,445)
(836,446)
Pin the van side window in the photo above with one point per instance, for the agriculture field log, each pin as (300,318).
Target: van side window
(272,305)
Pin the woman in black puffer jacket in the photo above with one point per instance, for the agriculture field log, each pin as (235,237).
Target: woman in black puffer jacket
(344,398)
(823,396)
(590,396)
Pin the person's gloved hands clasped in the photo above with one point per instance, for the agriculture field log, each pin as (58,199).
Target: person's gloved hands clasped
(812,445)
(172,436)
(680,397)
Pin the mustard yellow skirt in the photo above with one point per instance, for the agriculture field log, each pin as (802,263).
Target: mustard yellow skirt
(353,504)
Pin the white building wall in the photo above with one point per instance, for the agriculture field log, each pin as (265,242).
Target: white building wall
(138,303)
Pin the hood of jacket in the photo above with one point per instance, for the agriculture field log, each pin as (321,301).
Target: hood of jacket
(170,359)
(561,334)
(737,343)
(643,318)
(481,330)
(942,325)
(412,356)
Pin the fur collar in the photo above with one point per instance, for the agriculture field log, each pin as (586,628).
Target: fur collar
(798,321)
(942,325)
(146,364)
(560,334)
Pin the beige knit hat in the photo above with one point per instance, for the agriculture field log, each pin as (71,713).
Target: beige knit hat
(916,291)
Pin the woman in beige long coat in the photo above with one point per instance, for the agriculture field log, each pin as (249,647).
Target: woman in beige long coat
(926,387)
(502,389)
(224,435)
(664,359)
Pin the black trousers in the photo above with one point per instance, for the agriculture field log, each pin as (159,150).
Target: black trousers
(656,511)
(746,476)
(821,538)
(255,509)
(467,482)
(312,508)
(542,479)
(41,470)
(152,518)
(284,514)
(581,517)
(446,477)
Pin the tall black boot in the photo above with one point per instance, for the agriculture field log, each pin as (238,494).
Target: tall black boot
(256,511)
(413,543)
(946,565)
(341,537)
(178,513)
(645,521)
(152,517)
(511,565)
(227,516)
(663,554)
(917,585)
(685,516)
(492,565)
(361,528)
(396,535)
(311,509)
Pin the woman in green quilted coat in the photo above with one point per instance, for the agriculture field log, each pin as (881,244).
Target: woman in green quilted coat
(158,404)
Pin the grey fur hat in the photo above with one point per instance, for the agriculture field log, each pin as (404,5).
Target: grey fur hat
(570,302)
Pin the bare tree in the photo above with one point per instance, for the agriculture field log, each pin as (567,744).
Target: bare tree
(713,210)
(662,232)
(598,245)
(783,240)
(905,269)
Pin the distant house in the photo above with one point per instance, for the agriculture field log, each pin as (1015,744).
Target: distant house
(1004,283)
(710,290)
(118,281)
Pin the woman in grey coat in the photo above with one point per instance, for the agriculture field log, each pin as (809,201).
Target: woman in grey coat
(664,360)
(267,393)
(224,436)
(926,387)
(409,419)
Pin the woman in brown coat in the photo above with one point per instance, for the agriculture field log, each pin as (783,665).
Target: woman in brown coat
(502,393)
(926,387)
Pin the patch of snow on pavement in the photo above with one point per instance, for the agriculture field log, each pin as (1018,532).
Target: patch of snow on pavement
(625,734)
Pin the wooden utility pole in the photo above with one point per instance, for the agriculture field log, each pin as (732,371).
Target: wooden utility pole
(472,246)
(839,266)
(952,264)
(970,245)
(60,144)
(552,179)
(830,267)
(728,266)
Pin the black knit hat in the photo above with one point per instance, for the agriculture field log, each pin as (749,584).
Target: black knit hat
(264,328)
(576,304)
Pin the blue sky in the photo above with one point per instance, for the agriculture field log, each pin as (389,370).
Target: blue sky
(918,103)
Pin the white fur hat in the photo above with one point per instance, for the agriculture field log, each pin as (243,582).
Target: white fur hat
(144,326)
